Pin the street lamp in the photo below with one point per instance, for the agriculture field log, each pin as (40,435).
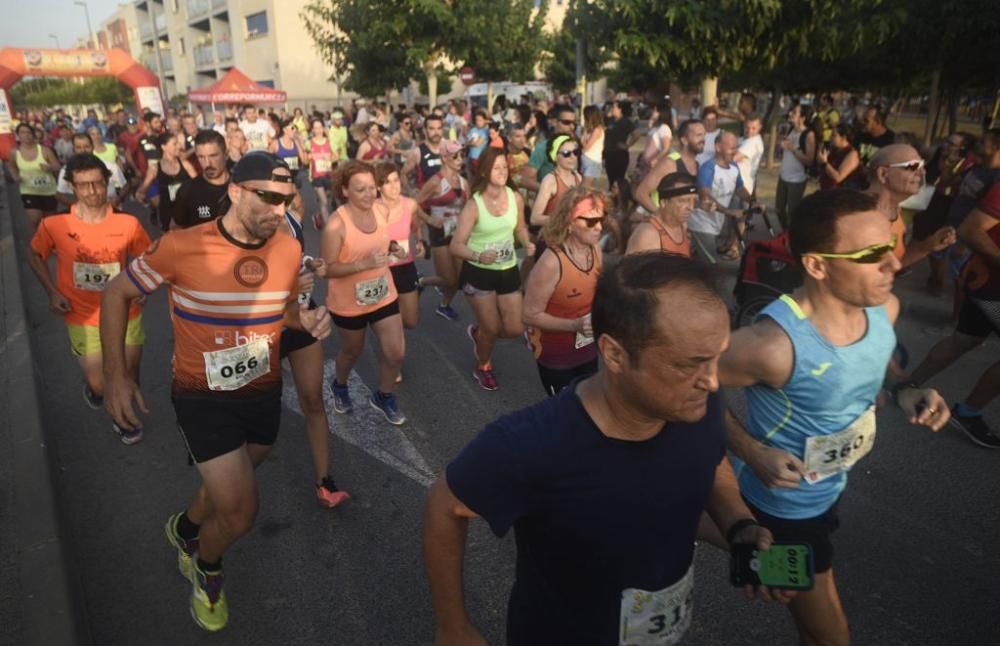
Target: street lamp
(90,30)
(56,39)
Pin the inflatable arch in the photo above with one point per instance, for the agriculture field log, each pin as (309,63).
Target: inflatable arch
(17,63)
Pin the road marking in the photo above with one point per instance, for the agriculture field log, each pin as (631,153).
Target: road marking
(366,428)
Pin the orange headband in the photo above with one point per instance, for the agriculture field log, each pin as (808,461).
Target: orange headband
(586,205)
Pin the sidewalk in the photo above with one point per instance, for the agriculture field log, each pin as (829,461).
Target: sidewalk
(37,604)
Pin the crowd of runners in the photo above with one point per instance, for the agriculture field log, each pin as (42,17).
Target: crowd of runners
(603,264)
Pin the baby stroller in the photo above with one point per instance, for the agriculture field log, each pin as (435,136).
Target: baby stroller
(767,270)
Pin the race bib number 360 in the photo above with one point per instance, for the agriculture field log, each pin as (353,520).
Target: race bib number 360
(828,455)
(233,368)
(656,618)
(94,277)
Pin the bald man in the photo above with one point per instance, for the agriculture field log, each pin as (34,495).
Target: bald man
(718,181)
(895,173)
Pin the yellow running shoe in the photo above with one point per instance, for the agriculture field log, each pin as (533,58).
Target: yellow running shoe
(186,549)
(208,601)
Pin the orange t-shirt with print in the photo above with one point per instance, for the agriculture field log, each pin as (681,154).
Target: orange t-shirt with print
(88,256)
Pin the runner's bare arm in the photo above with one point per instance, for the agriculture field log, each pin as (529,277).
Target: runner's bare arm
(459,246)
(644,238)
(52,160)
(119,388)
(974,232)
(12,169)
(545,191)
(446,526)
(428,190)
(58,303)
(521,232)
(529,178)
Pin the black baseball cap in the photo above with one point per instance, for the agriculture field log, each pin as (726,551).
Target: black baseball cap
(259,165)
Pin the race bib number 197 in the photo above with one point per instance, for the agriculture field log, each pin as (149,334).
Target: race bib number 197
(233,368)
(94,277)
(656,618)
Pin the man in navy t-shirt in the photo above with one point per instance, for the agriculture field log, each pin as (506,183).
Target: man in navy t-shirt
(605,483)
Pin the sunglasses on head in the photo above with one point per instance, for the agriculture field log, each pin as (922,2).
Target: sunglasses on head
(271,197)
(867,256)
(911,166)
(569,153)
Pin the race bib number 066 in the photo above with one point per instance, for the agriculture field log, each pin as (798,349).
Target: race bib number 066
(656,618)
(233,368)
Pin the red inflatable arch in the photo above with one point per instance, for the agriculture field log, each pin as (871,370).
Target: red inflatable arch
(17,63)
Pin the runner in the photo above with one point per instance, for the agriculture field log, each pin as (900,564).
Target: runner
(484,238)
(258,132)
(288,146)
(559,294)
(206,197)
(305,356)
(227,376)
(691,135)
(444,195)
(91,243)
(977,320)
(116,183)
(564,151)
(34,168)
(405,218)
(374,146)
(403,140)
(566,475)
(338,135)
(812,366)
(360,292)
(169,174)
(322,158)
(592,145)
(659,137)
(667,229)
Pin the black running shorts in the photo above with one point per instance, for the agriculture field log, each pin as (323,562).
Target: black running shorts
(813,531)
(211,426)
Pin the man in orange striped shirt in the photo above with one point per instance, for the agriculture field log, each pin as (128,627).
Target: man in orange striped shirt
(232,285)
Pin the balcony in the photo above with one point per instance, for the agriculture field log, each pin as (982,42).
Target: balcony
(161,23)
(197,8)
(219,4)
(145,30)
(166,62)
(204,54)
(225,50)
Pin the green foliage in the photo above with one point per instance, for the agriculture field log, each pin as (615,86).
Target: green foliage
(559,56)
(44,92)
(444,79)
(501,39)
(377,45)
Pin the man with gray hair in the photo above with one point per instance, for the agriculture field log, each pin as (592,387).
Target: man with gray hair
(895,173)
(718,181)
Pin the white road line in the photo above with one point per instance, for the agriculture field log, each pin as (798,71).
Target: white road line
(366,428)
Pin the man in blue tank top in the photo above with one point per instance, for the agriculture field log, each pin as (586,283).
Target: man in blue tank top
(812,365)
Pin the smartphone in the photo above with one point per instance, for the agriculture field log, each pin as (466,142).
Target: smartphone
(786,566)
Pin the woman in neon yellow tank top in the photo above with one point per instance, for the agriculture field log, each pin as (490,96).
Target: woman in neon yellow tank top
(35,168)
(490,279)
(107,153)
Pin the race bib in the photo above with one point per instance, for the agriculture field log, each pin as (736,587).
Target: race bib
(369,292)
(582,341)
(94,277)
(323,165)
(233,368)
(656,618)
(450,216)
(504,250)
(172,190)
(293,162)
(41,181)
(828,455)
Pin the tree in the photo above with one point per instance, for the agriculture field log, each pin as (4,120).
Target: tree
(48,92)
(378,45)
(559,57)
(501,39)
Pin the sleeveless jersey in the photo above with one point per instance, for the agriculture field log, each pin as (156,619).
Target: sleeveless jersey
(368,290)
(561,188)
(572,298)
(34,179)
(667,244)
(429,166)
(495,233)
(399,229)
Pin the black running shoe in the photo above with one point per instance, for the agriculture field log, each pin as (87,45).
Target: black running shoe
(976,429)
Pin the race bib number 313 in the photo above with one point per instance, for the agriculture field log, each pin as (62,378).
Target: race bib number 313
(828,455)
(656,618)
(233,368)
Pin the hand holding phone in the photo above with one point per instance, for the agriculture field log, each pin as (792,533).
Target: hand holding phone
(785,566)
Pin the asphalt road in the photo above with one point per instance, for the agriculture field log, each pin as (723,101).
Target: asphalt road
(913,561)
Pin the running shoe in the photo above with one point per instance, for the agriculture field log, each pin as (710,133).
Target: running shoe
(975,429)
(399,378)
(127,437)
(446,312)
(208,601)
(386,402)
(186,549)
(485,378)
(318,221)
(94,401)
(328,495)
(342,399)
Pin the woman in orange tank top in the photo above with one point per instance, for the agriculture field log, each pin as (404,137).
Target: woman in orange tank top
(360,292)
(560,291)
(667,230)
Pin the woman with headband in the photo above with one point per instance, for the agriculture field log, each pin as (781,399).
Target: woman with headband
(666,230)
(564,152)
(559,294)
(487,227)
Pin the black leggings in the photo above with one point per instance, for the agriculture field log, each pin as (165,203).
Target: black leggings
(616,165)
(555,379)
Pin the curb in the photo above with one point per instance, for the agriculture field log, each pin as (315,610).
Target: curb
(48,610)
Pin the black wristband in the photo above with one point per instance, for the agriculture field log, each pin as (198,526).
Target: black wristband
(902,385)
(738,527)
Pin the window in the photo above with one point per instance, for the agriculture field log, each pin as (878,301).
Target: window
(256,24)
(180,45)
(269,84)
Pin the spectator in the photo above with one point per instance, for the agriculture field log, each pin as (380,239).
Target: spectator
(841,165)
